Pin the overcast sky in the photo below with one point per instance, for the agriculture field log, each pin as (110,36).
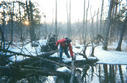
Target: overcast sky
(48,8)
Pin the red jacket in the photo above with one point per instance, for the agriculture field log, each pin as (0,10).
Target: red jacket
(62,43)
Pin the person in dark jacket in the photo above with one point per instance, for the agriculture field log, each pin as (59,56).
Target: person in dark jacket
(65,43)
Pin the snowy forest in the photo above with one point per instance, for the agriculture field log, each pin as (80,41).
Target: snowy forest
(63,41)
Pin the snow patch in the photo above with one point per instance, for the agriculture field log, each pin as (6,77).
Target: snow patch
(63,69)
(110,57)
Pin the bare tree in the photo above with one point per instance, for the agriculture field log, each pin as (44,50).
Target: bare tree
(56,28)
(108,25)
(122,32)
(102,8)
(32,30)
(20,25)
(86,27)
(12,14)
(97,22)
(83,31)
(69,18)
(3,30)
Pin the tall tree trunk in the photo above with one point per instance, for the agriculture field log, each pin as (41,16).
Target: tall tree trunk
(108,24)
(86,20)
(30,19)
(12,13)
(122,33)
(45,26)
(121,38)
(2,36)
(83,28)
(56,28)
(92,29)
(32,30)
(28,10)
(102,6)
(97,22)
(116,7)
(20,25)
(69,20)
(3,31)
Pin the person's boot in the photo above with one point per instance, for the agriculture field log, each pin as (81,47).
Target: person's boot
(68,56)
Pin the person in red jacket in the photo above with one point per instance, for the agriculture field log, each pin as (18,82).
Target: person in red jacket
(64,45)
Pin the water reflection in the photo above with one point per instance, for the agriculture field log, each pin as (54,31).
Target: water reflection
(103,73)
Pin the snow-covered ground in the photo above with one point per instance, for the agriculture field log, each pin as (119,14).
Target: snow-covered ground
(110,57)
(26,49)
(113,45)
(105,57)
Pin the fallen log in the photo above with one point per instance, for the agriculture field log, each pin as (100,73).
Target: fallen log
(36,57)
(40,65)
(78,63)
(81,63)
(19,73)
(4,60)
